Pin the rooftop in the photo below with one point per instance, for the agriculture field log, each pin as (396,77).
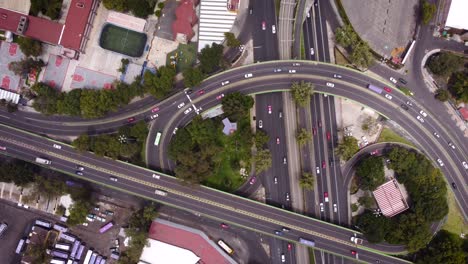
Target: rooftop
(457,15)
(390,198)
(76,23)
(189,239)
(159,253)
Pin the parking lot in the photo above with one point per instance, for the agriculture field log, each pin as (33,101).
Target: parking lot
(19,222)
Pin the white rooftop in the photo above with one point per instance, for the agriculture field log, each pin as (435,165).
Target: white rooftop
(456,17)
(163,253)
(215,19)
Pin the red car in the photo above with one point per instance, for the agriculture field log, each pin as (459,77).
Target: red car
(131,119)
(324,165)
(277,141)
(154,110)
(219,97)
(263,25)
(353,252)
(375,152)
(201,92)
(325,197)
(388,90)
(328,135)
(314,130)
(2,148)
(289,246)
(223,225)
(253,180)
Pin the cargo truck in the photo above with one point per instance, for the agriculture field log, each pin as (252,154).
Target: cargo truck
(43,161)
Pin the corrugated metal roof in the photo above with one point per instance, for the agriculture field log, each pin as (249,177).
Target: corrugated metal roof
(390,199)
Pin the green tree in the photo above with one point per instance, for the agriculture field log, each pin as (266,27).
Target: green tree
(46,101)
(347,148)
(444,248)
(11,107)
(124,63)
(442,95)
(82,143)
(158,13)
(53,9)
(366,201)
(70,103)
(18,172)
(458,86)
(192,77)
(47,187)
(375,228)
(307,181)
(262,160)
(237,105)
(129,150)
(117,5)
(261,139)
(361,55)
(354,207)
(25,66)
(370,173)
(444,63)
(78,212)
(139,131)
(231,39)
(303,137)
(29,46)
(140,8)
(161,83)
(301,92)
(427,11)
(345,36)
(161,5)
(211,58)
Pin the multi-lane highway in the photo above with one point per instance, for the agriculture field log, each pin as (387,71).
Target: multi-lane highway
(225,207)
(351,86)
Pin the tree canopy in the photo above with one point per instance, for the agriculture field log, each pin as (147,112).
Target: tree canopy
(232,41)
(347,148)
(370,173)
(25,66)
(139,8)
(307,181)
(192,77)
(301,92)
(50,8)
(427,11)
(237,105)
(458,86)
(303,137)
(345,36)
(160,84)
(29,46)
(444,63)
(211,58)
(444,248)
(362,55)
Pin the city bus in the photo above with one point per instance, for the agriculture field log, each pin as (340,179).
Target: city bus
(88,256)
(106,227)
(224,246)
(43,223)
(157,139)
(307,242)
(20,246)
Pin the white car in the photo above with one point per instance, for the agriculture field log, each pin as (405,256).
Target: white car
(436,135)
(156,176)
(318,170)
(321,207)
(152,117)
(57,146)
(260,123)
(312,52)
(337,76)
(292,71)
(329,84)
(248,75)
(181,105)
(441,163)
(277,70)
(420,119)
(283,258)
(225,82)
(114,179)
(389,97)
(276,180)
(296,64)
(335,208)
(308,14)
(465,165)
(188,110)
(393,80)
(273,29)
(423,113)
(287,197)
(451,145)
(175,130)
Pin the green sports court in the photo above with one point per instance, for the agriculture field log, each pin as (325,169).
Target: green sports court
(122,40)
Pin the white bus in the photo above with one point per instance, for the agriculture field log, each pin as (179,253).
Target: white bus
(88,256)
(62,246)
(224,246)
(20,246)
(157,139)
(3,227)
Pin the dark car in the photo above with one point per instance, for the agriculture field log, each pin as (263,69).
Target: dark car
(405,107)
(454,185)
(403,81)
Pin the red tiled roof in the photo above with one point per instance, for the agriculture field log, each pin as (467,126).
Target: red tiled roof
(44,30)
(37,28)
(390,199)
(187,240)
(464,113)
(75,24)
(186,18)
